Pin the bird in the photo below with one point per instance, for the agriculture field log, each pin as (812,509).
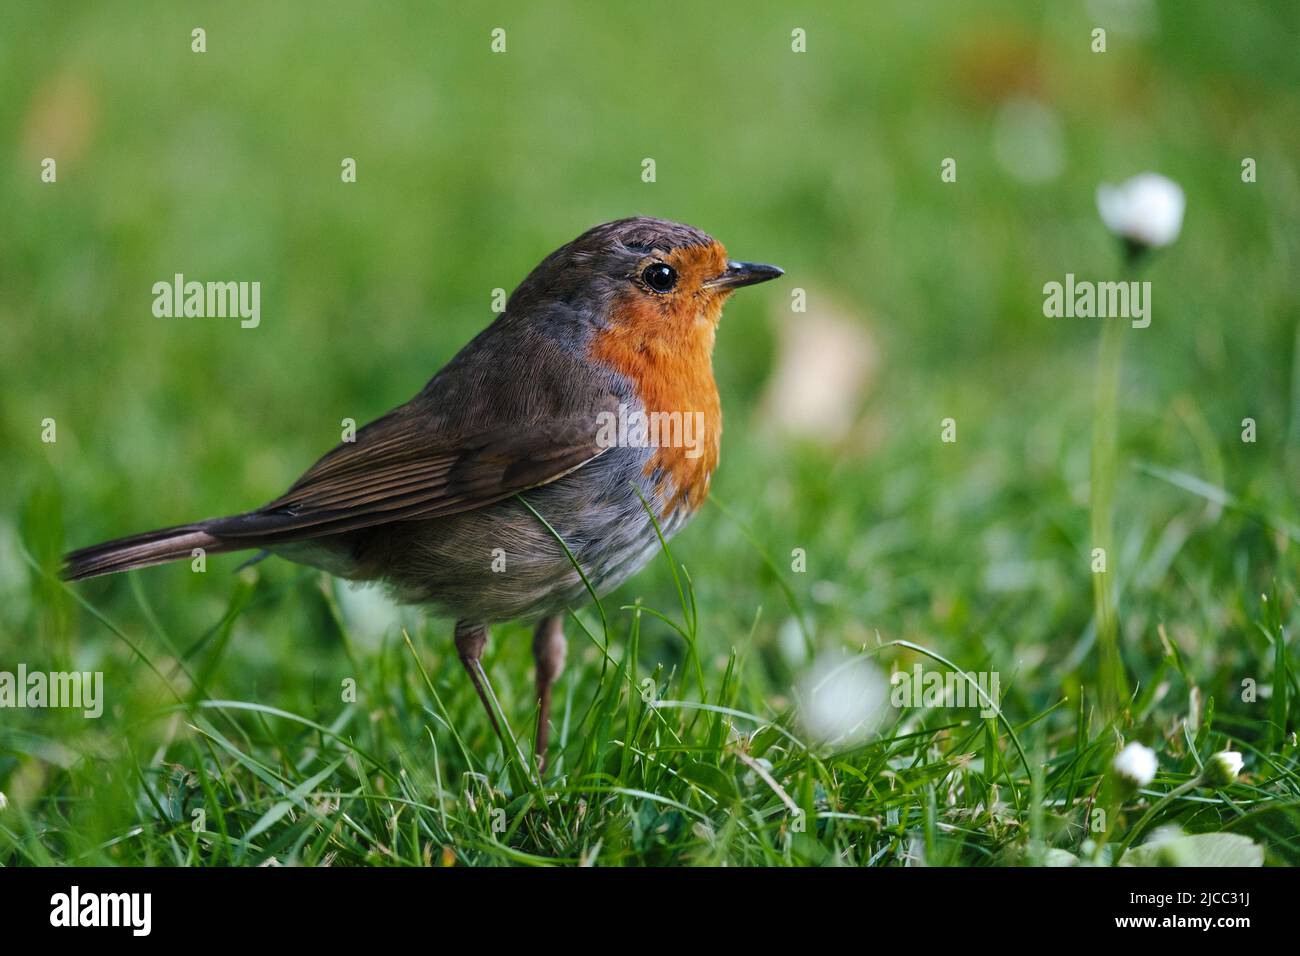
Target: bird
(526,471)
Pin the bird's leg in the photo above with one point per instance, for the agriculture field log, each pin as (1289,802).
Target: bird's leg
(548,652)
(470,640)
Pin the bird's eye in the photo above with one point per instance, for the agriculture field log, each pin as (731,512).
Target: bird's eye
(659,277)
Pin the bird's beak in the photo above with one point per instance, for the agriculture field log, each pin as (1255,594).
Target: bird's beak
(744,273)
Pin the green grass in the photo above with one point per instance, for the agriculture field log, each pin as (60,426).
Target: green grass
(226,692)
(669,773)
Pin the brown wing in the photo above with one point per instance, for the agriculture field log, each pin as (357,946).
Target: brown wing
(516,408)
(393,473)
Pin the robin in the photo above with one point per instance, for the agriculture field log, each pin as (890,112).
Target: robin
(574,406)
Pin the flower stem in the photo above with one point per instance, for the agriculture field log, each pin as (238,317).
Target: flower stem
(1111,677)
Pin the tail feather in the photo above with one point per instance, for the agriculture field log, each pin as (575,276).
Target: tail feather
(142,551)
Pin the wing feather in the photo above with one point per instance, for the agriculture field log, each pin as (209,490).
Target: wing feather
(393,472)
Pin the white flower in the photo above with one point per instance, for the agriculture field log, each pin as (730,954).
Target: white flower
(1147,209)
(1135,765)
(844,699)
(4,801)
(1222,768)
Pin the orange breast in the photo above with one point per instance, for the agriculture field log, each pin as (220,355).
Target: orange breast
(666,351)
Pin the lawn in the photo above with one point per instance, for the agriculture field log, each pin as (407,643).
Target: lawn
(718,707)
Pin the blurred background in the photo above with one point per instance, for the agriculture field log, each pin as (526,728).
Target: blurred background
(924,301)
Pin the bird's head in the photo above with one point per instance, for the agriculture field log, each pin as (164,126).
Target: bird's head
(665,279)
